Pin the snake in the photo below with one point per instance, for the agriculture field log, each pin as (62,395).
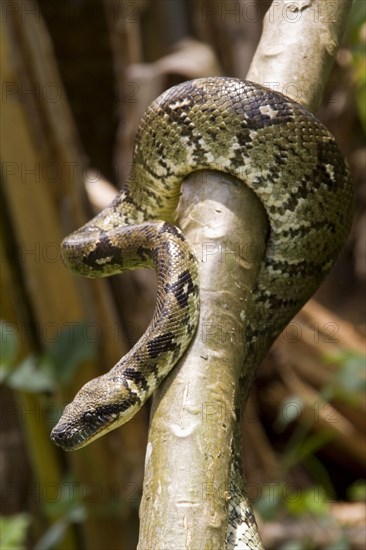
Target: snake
(281,152)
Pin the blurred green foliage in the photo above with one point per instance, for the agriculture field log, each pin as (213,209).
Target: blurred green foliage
(356,38)
(43,375)
(13,531)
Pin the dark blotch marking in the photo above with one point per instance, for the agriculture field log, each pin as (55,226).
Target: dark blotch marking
(302,268)
(137,377)
(173,230)
(104,249)
(257,120)
(328,153)
(127,199)
(177,288)
(160,344)
(108,410)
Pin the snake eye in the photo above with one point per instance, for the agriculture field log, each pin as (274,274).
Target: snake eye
(88,416)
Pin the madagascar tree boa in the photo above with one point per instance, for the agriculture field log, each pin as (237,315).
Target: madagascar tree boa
(291,162)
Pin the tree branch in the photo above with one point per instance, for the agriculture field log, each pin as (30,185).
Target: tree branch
(298,46)
(188,458)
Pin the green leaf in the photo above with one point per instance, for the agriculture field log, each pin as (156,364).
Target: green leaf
(356,40)
(69,501)
(28,376)
(52,536)
(9,347)
(75,345)
(270,503)
(349,381)
(313,443)
(56,531)
(357,491)
(319,473)
(293,545)
(340,544)
(13,531)
(290,410)
(311,501)
(351,376)
(77,514)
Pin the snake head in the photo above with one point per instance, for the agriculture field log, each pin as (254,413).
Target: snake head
(100,406)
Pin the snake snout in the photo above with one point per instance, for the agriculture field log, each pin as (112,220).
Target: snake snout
(71,248)
(69,438)
(59,435)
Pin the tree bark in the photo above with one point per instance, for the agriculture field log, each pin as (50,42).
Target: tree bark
(187,478)
(298,46)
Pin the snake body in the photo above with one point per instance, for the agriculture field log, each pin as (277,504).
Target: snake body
(287,158)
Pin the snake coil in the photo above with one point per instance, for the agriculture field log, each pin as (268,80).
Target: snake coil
(289,160)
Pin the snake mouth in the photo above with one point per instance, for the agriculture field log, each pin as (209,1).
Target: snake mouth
(75,430)
(73,439)
(68,442)
(90,427)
